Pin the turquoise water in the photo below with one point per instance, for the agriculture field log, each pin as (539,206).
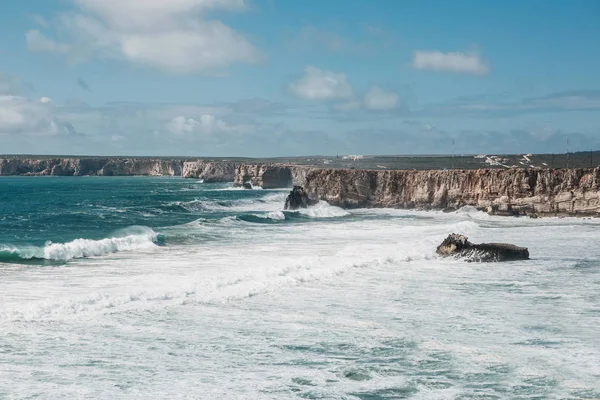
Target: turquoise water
(168,288)
(39,210)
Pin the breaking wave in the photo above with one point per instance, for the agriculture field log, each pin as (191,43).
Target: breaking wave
(128,239)
(320,210)
(324,210)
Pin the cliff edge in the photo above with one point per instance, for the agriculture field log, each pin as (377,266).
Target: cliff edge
(533,192)
(209,171)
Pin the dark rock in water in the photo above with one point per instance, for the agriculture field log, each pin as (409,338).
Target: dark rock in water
(298,198)
(247,185)
(459,246)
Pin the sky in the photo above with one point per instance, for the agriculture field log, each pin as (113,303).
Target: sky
(264,78)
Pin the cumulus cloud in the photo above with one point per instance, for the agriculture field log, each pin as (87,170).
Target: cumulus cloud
(181,125)
(175,36)
(28,116)
(379,99)
(317,84)
(207,124)
(455,62)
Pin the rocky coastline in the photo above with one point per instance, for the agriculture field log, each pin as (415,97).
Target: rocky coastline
(209,171)
(516,191)
(533,192)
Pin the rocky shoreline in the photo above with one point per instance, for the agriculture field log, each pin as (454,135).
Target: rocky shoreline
(530,192)
(511,192)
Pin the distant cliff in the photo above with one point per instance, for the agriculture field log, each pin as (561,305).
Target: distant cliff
(209,171)
(535,192)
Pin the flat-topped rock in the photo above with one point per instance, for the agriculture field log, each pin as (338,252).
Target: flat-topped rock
(456,245)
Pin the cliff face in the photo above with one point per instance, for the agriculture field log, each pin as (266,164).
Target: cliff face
(209,171)
(574,191)
(267,176)
(90,166)
(217,171)
(507,192)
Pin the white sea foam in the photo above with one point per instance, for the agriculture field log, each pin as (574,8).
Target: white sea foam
(80,248)
(276,215)
(323,210)
(352,308)
(132,238)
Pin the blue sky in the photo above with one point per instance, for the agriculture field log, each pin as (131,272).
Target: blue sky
(283,77)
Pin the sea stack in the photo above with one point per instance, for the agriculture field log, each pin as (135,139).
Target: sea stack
(298,198)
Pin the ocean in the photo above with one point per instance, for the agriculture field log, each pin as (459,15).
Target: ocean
(166,288)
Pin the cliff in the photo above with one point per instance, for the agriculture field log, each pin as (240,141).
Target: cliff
(267,176)
(221,171)
(210,171)
(535,192)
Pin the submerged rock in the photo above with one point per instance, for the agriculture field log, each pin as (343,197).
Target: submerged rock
(247,185)
(298,198)
(459,246)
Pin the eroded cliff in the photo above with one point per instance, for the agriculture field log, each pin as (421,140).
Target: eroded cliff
(267,176)
(535,192)
(221,171)
(209,171)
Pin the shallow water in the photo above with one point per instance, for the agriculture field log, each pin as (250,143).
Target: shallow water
(169,288)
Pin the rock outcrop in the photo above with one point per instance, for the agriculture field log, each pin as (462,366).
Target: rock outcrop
(266,176)
(299,198)
(456,245)
(531,192)
(209,171)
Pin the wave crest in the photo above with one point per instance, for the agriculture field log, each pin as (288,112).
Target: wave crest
(323,210)
(128,239)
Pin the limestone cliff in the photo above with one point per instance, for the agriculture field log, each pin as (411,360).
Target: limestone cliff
(213,171)
(267,176)
(222,171)
(508,192)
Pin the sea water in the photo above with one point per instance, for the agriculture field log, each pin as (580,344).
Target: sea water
(168,288)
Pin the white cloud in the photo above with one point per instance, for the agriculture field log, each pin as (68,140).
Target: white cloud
(181,125)
(379,99)
(45,100)
(173,36)
(317,84)
(22,115)
(450,62)
(206,124)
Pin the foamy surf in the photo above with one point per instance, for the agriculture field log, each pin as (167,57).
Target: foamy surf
(307,306)
(323,210)
(129,239)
